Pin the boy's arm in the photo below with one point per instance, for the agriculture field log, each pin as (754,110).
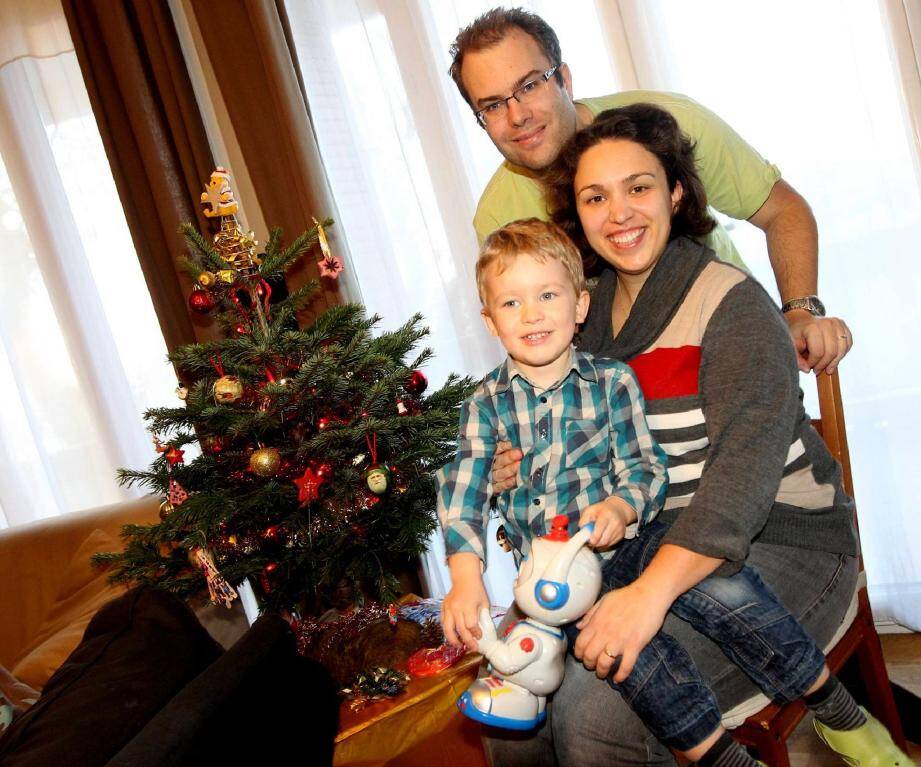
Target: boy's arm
(463,484)
(637,461)
(463,510)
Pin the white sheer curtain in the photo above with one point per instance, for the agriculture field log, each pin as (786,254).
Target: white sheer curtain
(81,354)
(835,120)
(407,162)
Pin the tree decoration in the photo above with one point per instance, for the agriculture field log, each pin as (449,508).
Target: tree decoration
(174,455)
(377,476)
(375,684)
(308,486)
(201,301)
(220,591)
(177,494)
(281,411)
(329,265)
(227,390)
(417,383)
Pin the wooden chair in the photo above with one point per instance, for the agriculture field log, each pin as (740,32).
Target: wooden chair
(767,731)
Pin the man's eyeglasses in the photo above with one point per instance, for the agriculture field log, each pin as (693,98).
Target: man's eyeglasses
(528,92)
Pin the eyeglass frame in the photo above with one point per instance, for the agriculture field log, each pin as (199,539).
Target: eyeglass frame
(543,77)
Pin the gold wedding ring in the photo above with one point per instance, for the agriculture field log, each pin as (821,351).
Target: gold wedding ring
(609,653)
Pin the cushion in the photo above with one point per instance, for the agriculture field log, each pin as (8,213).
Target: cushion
(84,589)
(138,652)
(260,685)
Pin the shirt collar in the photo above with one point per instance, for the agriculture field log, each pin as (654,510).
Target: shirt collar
(579,362)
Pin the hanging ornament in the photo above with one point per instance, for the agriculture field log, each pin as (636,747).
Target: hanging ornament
(226,276)
(218,588)
(227,390)
(206,279)
(166,508)
(378,478)
(417,383)
(273,533)
(265,461)
(308,486)
(177,494)
(212,444)
(201,301)
(408,406)
(182,391)
(329,265)
(174,455)
(265,577)
(376,475)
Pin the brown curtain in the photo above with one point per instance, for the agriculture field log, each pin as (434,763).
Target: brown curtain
(154,137)
(256,69)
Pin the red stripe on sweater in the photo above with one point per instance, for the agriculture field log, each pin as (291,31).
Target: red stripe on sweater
(668,372)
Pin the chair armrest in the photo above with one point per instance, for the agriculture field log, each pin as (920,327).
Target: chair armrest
(34,558)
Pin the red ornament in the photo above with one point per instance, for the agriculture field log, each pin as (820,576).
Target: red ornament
(308,486)
(212,444)
(240,329)
(417,383)
(201,301)
(177,494)
(174,455)
(272,533)
(324,422)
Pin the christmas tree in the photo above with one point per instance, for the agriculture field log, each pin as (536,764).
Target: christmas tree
(317,443)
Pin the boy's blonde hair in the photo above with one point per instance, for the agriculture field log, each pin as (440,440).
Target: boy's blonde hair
(540,240)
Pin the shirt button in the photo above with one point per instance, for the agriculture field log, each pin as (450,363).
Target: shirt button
(543,400)
(537,501)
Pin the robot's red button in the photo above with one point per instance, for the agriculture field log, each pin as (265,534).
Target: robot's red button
(527,644)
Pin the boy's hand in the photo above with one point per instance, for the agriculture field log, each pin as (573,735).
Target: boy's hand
(460,611)
(611,517)
(505,465)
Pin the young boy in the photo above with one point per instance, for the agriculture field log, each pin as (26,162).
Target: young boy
(588,454)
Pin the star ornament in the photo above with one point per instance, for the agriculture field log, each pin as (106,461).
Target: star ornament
(174,455)
(308,486)
(330,266)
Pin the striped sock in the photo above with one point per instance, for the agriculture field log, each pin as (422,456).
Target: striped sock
(834,707)
(726,753)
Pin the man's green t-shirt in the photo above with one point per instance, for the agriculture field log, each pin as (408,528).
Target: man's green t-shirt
(737,179)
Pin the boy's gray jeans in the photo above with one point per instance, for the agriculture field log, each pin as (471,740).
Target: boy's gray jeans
(589,724)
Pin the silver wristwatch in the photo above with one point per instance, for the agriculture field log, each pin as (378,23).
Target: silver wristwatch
(810,303)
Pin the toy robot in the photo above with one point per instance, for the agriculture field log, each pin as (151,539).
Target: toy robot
(557,582)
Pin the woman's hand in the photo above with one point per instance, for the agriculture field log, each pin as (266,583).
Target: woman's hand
(505,466)
(611,517)
(621,623)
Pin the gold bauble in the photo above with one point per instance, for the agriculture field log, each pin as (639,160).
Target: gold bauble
(265,461)
(227,389)
(166,508)
(206,279)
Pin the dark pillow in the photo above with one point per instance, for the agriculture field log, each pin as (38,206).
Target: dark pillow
(245,709)
(138,651)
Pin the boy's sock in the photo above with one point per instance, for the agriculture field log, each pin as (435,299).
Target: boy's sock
(834,707)
(726,753)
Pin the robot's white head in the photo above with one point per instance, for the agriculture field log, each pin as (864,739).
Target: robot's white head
(560,578)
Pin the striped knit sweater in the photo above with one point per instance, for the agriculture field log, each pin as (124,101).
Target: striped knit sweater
(718,372)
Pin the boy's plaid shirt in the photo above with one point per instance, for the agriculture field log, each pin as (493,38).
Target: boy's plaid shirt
(583,439)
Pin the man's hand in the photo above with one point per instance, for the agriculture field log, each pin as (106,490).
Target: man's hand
(611,517)
(821,342)
(460,611)
(621,623)
(505,466)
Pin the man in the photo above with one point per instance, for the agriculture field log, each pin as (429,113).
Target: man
(508,66)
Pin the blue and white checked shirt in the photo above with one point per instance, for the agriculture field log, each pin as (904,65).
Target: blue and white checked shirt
(584,439)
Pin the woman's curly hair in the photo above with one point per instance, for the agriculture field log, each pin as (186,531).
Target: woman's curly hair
(655,130)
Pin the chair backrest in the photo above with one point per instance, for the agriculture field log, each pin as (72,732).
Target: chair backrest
(830,425)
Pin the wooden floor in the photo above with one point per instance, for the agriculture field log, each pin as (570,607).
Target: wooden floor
(903,659)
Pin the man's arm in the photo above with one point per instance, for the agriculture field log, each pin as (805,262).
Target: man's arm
(793,245)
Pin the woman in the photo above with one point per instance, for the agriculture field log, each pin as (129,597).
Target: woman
(750,480)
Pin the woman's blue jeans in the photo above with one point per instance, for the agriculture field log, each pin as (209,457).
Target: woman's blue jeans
(741,615)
